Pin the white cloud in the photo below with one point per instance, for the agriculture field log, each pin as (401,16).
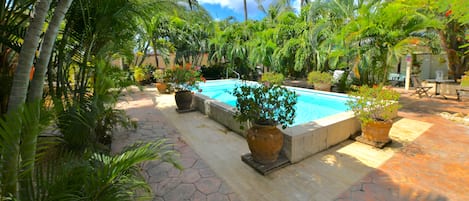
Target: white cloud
(236,5)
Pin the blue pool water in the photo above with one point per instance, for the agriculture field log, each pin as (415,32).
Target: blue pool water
(311,104)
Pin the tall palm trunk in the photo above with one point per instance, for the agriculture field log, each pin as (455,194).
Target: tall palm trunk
(452,57)
(31,41)
(29,134)
(245,11)
(18,94)
(37,84)
(155,52)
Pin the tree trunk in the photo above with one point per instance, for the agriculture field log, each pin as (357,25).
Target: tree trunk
(37,84)
(29,134)
(245,11)
(18,94)
(144,55)
(156,55)
(20,85)
(452,57)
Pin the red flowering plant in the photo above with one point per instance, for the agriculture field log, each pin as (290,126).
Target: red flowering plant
(185,78)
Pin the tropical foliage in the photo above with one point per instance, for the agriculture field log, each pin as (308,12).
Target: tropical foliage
(374,103)
(186,77)
(265,104)
(273,78)
(366,37)
(75,47)
(319,77)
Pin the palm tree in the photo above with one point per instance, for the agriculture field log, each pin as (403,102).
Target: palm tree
(245,11)
(381,37)
(18,98)
(191,3)
(20,84)
(15,18)
(37,84)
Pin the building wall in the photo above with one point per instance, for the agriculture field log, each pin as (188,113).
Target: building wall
(150,60)
(429,65)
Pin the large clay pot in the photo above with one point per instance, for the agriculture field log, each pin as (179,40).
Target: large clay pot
(377,131)
(322,86)
(183,99)
(265,143)
(162,87)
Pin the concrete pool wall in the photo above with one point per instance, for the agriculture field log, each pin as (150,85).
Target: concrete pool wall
(300,141)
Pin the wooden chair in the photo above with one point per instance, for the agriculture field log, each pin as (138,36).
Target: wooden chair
(463,88)
(419,88)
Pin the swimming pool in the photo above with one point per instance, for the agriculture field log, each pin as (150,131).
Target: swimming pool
(311,105)
(322,120)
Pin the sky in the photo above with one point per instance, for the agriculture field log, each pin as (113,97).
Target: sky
(221,9)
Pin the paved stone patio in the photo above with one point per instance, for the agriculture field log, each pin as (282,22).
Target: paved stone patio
(196,182)
(428,159)
(435,166)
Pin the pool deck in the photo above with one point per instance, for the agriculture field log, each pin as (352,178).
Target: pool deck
(427,160)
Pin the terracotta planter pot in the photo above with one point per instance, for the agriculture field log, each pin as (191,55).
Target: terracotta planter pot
(377,131)
(265,143)
(162,87)
(183,99)
(322,86)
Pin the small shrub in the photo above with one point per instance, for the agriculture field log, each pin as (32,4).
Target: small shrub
(265,104)
(213,72)
(273,78)
(139,74)
(374,103)
(319,77)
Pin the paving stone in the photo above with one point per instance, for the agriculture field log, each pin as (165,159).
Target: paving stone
(208,185)
(187,162)
(206,172)
(155,176)
(167,182)
(190,176)
(198,196)
(233,197)
(181,192)
(175,172)
(217,197)
(167,185)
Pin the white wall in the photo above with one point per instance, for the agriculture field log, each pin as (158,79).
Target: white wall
(429,65)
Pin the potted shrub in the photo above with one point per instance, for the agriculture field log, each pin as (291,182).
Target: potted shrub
(375,107)
(184,79)
(161,80)
(264,107)
(320,80)
(273,78)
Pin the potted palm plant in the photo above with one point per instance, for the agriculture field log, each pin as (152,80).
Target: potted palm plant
(185,79)
(320,80)
(375,107)
(264,107)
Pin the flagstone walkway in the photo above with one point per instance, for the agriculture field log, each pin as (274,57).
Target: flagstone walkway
(433,167)
(196,182)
